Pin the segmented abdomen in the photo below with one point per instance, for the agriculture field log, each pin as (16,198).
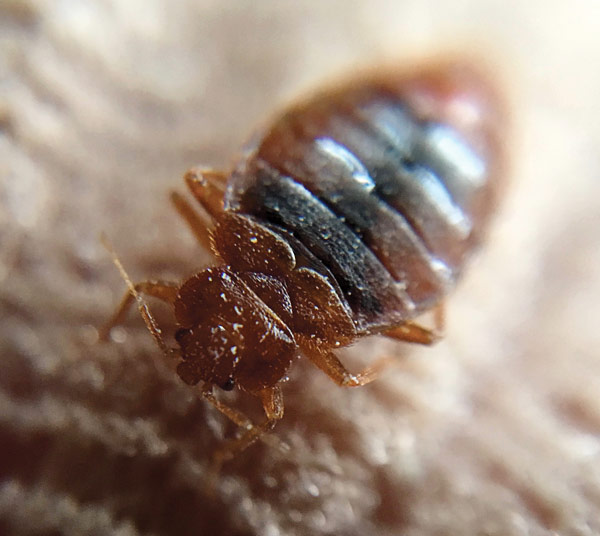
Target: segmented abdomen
(388,184)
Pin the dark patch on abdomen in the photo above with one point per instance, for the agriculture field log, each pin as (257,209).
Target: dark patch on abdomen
(375,298)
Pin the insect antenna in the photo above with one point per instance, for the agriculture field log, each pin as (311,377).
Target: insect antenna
(141,303)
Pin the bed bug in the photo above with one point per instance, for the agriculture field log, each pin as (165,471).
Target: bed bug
(351,215)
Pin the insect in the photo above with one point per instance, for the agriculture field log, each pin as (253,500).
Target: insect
(354,213)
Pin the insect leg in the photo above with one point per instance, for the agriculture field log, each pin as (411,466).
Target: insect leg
(329,363)
(208,187)
(272,401)
(232,414)
(240,419)
(162,290)
(197,224)
(412,332)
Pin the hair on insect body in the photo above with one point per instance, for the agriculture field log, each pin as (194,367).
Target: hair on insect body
(352,215)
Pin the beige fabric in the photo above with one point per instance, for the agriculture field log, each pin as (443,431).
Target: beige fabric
(104,104)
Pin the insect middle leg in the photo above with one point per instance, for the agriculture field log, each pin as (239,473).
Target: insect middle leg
(208,187)
(198,225)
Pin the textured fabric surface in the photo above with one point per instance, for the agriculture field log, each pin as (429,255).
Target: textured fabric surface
(104,104)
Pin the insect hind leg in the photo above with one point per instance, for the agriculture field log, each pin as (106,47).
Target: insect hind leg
(415,333)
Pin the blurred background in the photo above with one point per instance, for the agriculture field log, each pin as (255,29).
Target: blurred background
(103,106)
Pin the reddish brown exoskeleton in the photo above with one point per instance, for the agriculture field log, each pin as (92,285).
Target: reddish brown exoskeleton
(351,216)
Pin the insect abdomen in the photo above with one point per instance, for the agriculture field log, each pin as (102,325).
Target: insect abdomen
(387,183)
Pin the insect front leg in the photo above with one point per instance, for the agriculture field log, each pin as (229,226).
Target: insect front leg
(272,401)
(163,290)
(232,414)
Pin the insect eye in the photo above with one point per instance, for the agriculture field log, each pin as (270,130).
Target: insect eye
(228,385)
(180,334)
